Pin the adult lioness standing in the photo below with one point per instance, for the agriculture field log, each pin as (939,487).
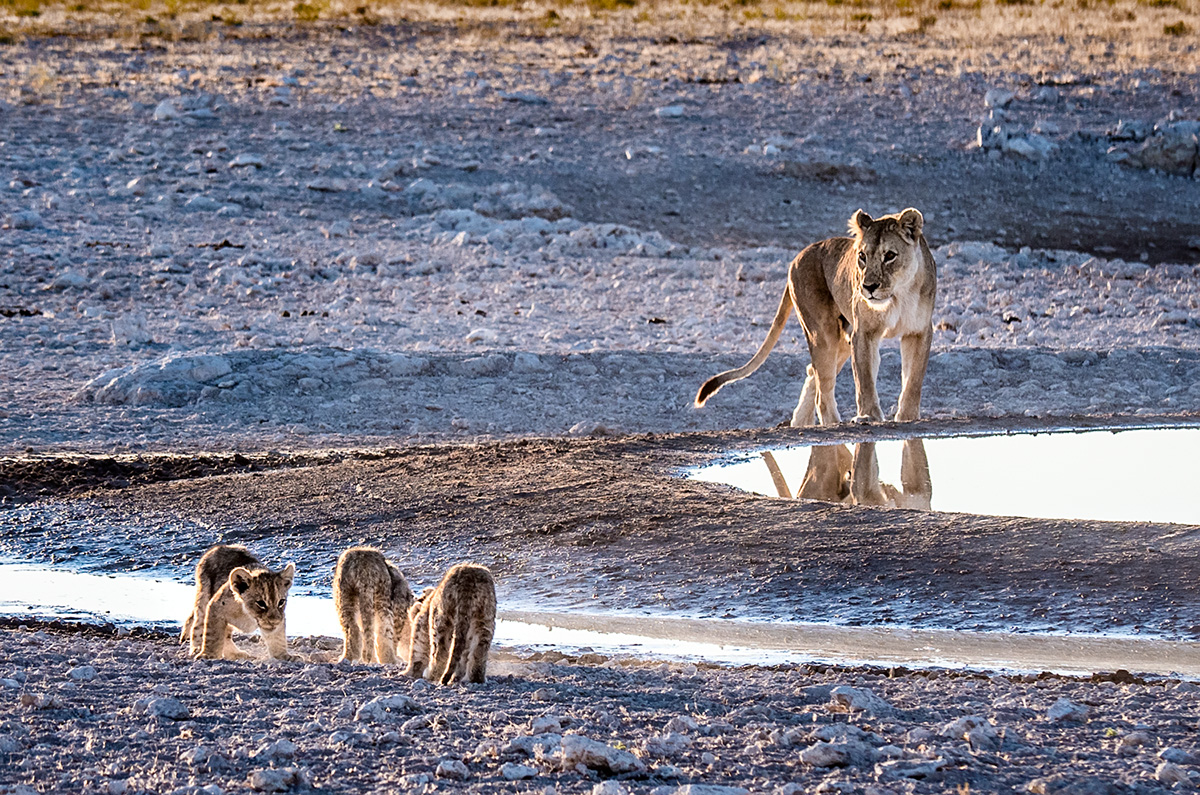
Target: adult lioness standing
(851,292)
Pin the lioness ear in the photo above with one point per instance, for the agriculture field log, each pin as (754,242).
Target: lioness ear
(288,574)
(239,580)
(859,223)
(911,222)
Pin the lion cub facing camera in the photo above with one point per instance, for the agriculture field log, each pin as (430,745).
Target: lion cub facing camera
(372,600)
(452,626)
(234,589)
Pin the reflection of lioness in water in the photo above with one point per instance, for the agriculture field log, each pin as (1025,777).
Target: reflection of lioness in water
(849,294)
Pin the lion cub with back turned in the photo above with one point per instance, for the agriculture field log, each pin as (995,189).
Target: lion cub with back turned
(452,626)
(372,600)
(234,589)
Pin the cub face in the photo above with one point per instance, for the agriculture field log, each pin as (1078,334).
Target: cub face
(263,593)
(886,250)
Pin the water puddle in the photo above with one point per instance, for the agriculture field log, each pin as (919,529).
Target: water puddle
(1132,475)
(28,590)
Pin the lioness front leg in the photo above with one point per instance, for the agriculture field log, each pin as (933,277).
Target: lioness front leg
(914,357)
(864,360)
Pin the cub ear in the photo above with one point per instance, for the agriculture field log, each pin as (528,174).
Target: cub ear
(911,222)
(239,580)
(288,574)
(860,222)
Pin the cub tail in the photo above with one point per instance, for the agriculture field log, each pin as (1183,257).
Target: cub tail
(710,387)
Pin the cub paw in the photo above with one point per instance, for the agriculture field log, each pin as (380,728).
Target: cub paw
(862,419)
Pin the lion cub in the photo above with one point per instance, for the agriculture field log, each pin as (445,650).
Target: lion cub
(452,626)
(234,589)
(372,600)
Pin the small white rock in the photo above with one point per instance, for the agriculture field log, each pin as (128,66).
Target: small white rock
(514,772)
(825,755)
(854,699)
(484,335)
(167,707)
(83,673)
(669,112)
(1066,710)
(1170,773)
(998,98)
(167,111)
(452,769)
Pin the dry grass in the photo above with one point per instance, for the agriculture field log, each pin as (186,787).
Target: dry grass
(1158,30)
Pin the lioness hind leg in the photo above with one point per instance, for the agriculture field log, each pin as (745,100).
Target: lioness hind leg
(806,409)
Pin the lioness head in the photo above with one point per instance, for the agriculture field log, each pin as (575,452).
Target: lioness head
(887,251)
(263,593)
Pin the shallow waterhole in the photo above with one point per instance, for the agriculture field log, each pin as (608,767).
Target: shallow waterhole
(1141,475)
(33,591)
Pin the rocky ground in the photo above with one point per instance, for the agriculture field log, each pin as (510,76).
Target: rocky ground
(418,226)
(229,229)
(89,712)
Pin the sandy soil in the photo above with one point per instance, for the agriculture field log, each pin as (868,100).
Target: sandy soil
(86,711)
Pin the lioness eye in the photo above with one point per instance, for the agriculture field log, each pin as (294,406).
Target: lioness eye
(261,604)
(281,601)
(862,257)
(889,256)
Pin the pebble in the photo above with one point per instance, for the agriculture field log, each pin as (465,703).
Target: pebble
(246,159)
(201,204)
(1170,773)
(855,699)
(452,769)
(666,745)
(511,771)
(283,779)
(167,708)
(24,219)
(68,279)
(82,673)
(683,724)
(1064,710)
(328,185)
(383,708)
(280,749)
(579,750)
(824,754)
(669,112)
(699,789)
(167,111)
(523,97)
(609,787)
(998,98)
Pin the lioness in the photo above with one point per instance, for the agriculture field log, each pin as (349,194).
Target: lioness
(849,293)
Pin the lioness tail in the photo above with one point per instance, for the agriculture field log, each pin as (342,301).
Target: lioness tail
(710,387)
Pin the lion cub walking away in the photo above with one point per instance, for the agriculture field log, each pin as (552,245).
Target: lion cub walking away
(452,626)
(372,600)
(234,589)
